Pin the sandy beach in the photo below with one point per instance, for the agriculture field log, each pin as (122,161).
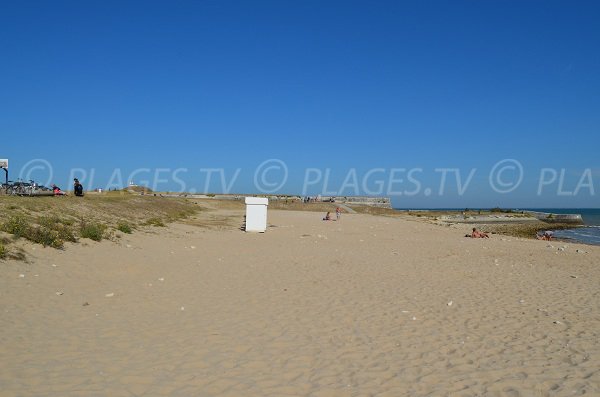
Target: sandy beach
(367,306)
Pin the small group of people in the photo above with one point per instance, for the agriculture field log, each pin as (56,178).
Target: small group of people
(547,235)
(77,189)
(338,215)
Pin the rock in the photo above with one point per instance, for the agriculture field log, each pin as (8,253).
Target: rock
(573,276)
(110,295)
(450,303)
(21,276)
(556,322)
(182,308)
(85,304)
(161,279)
(414,318)
(59,293)
(561,248)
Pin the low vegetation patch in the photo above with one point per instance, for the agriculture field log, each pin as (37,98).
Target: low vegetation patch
(63,228)
(155,222)
(42,233)
(92,230)
(16,225)
(124,227)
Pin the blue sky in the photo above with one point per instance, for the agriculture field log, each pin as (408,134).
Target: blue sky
(102,89)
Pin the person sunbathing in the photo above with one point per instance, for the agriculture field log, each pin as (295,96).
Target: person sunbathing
(57,191)
(478,234)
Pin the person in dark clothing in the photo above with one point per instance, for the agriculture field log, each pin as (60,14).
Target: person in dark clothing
(77,188)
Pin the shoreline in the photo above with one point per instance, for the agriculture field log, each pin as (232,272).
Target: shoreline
(515,224)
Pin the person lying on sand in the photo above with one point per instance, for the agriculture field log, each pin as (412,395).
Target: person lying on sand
(547,236)
(478,234)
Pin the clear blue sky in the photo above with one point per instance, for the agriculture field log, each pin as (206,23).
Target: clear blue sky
(340,84)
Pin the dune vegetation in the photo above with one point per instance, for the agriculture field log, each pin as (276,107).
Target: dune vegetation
(53,221)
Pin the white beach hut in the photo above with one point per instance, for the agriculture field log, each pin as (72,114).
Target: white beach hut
(256,214)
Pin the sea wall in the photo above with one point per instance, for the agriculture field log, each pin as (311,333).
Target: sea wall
(381,202)
(549,217)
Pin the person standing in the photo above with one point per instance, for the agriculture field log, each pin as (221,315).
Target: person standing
(338,213)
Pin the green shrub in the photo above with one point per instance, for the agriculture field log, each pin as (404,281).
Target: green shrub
(47,233)
(2,251)
(124,227)
(93,231)
(46,237)
(16,225)
(62,227)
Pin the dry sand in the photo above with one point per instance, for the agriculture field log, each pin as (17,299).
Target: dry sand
(368,306)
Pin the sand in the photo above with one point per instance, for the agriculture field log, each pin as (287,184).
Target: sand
(368,306)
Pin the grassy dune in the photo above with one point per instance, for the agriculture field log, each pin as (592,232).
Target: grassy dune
(52,221)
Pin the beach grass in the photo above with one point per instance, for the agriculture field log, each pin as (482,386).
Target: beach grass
(124,227)
(52,221)
(93,230)
(155,221)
